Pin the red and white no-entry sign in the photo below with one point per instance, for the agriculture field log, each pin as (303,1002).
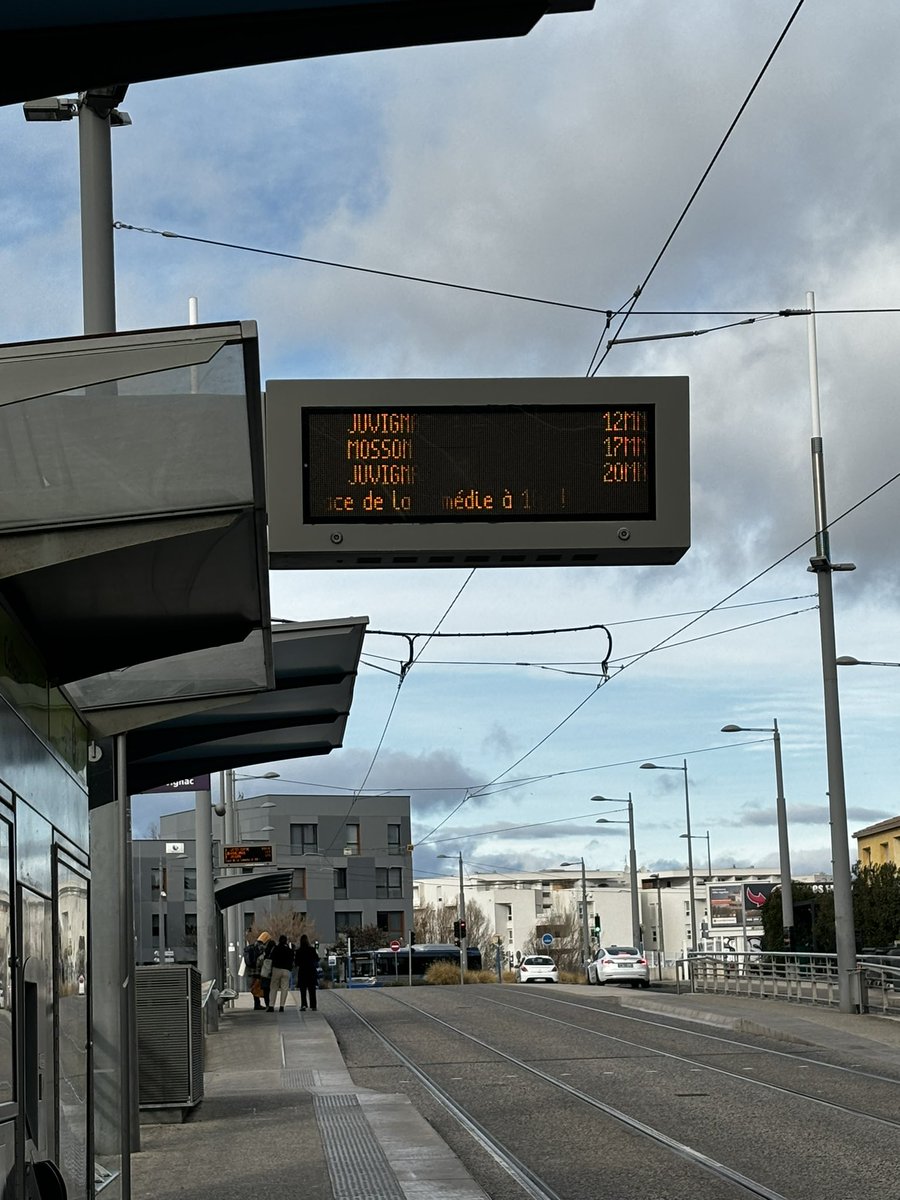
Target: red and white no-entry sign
(395,946)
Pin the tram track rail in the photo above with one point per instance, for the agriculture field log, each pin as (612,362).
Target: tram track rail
(530,1182)
(687,1060)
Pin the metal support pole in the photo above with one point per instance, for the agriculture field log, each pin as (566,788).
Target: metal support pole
(784,854)
(206,911)
(463,938)
(822,567)
(233,914)
(585,931)
(637,940)
(162,908)
(98,281)
(661,952)
(687,817)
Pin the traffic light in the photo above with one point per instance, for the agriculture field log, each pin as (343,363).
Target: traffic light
(456,933)
(595,932)
(317,946)
(462,929)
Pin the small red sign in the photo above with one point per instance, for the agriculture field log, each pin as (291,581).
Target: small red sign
(395,946)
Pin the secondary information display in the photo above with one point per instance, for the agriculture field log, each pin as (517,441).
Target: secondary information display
(493,472)
(247,855)
(492,463)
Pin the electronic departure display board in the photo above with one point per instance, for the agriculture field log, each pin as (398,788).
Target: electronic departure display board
(477,471)
(247,856)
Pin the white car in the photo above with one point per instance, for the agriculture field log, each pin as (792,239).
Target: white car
(619,964)
(537,968)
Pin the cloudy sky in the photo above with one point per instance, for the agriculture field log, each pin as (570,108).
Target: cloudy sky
(556,167)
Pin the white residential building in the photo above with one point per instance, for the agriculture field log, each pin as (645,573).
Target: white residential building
(519,903)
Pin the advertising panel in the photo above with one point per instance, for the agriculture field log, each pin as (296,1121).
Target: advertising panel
(726,905)
(755,896)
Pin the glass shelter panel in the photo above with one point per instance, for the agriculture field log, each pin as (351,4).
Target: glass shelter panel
(74,1035)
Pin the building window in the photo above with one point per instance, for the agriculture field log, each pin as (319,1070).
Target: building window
(304,839)
(190,883)
(393,839)
(388,883)
(351,844)
(340,883)
(390,922)
(298,890)
(249,920)
(190,930)
(344,922)
(156,874)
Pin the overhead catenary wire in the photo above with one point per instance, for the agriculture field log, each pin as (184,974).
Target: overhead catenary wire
(455,285)
(595,363)
(393,707)
(675,633)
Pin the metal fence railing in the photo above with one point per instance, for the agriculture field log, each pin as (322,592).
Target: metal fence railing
(801,978)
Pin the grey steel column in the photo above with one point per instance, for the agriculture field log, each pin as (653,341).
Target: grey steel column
(98,281)
(233,922)
(585,929)
(822,566)
(687,817)
(632,863)
(463,940)
(787,895)
(112,921)
(206,908)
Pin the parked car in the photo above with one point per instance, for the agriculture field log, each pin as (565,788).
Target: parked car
(619,964)
(537,968)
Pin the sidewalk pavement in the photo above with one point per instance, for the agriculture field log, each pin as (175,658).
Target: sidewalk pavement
(280,1107)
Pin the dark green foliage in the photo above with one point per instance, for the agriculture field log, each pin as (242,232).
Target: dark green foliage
(876,905)
(876,912)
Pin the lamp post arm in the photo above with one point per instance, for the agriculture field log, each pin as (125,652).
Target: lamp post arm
(787,899)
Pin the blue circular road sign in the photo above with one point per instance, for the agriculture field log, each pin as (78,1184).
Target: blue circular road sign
(547,939)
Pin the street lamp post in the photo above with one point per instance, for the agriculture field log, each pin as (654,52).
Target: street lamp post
(687,816)
(660,928)
(636,938)
(784,854)
(585,933)
(699,837)
(463,939)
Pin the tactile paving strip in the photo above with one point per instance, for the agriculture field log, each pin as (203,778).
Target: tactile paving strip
(298,1080)
(356,1161)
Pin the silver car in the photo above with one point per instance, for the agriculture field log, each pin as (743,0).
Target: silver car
(537,968)
(619,964)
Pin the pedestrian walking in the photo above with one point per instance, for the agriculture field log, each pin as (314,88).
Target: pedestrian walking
(280,979)
(307,963)
(254,957)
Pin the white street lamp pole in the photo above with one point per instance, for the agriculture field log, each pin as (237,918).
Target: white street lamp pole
(585,932)
(660,930)
(784,854)
(636,938)
(463,933)
(687,817)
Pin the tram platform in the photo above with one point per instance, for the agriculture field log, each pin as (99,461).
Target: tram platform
(280,1107)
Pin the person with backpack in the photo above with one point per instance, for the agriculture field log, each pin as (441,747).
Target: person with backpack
(255,959)
(280,980)
(306,961)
